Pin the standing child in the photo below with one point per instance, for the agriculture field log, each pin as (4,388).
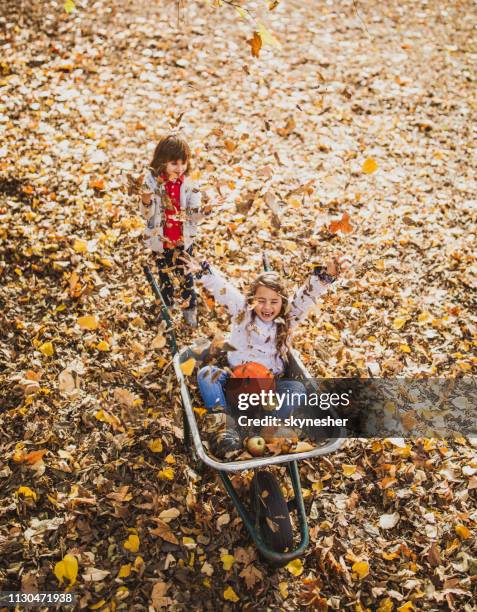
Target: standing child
(262,323)
(171,207)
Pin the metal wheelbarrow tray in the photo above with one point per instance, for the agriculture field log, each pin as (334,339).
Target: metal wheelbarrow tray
(296,369)
(274,543)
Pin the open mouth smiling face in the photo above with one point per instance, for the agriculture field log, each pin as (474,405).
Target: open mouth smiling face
(267,304)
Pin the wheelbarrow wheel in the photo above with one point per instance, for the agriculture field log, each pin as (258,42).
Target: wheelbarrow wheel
(271,512)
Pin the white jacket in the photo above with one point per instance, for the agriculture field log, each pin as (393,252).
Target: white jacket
(254,339)
(153,212)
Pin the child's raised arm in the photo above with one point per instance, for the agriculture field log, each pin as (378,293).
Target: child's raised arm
(146,188)
(223,290)
(318,284)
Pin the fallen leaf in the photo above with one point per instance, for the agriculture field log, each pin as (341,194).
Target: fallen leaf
(255,44)
(343,225)
(67,569)
(124,571)
(47,349)
(188,366)
(132,543)
(369,166)
(295,567)
(26,492)
(251,575)
(89,322)
(169,515)
(227,561)
(166,474)
(155,446)
(348,470)
(462,532)
(361,569)
(231,595)
(388,521)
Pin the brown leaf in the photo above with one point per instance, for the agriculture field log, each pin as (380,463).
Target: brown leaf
(163,531)
(251,575)
(434,555)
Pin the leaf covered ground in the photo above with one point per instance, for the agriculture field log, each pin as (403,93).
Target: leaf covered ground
(354,136)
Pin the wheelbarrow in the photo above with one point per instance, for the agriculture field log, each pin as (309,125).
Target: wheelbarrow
(268,519)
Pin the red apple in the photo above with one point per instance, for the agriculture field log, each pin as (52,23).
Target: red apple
(256,446)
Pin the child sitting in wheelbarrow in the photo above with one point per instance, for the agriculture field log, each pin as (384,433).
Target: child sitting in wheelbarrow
(262,323)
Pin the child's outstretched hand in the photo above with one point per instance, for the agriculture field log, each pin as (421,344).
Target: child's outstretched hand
(338,265)
(192,264)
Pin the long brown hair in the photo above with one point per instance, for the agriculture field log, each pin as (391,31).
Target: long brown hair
(271,280)
(170,147)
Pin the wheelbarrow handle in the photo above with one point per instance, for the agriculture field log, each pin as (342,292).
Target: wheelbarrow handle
(164,310)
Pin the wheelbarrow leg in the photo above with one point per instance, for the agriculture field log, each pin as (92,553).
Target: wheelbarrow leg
(272,556)
(297,502)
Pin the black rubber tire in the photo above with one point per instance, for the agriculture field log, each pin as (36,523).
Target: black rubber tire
(268,503)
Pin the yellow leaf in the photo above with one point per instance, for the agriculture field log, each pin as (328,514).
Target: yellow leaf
(138,564)
(390,556)
(399,322)
(348,470)
(26,492)
(111,419)
(80,246)
(406,607)
(102,346)
(124,571)
(155,446)
(317,486)
(283,588)
(200,411)
(295,202)
(227,561)
(88,322)
(295,567)
(69,7)
(166,474)
(47,349)
(189,543)
(361,568)
(267,37)
(231,595)
(423,317)
(385,605)
(405,348)
(369,166)
(188,366)
(132,543)
(98,605)
(462,532)
(67,569)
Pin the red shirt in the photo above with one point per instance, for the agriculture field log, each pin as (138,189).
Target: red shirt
(172,228)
